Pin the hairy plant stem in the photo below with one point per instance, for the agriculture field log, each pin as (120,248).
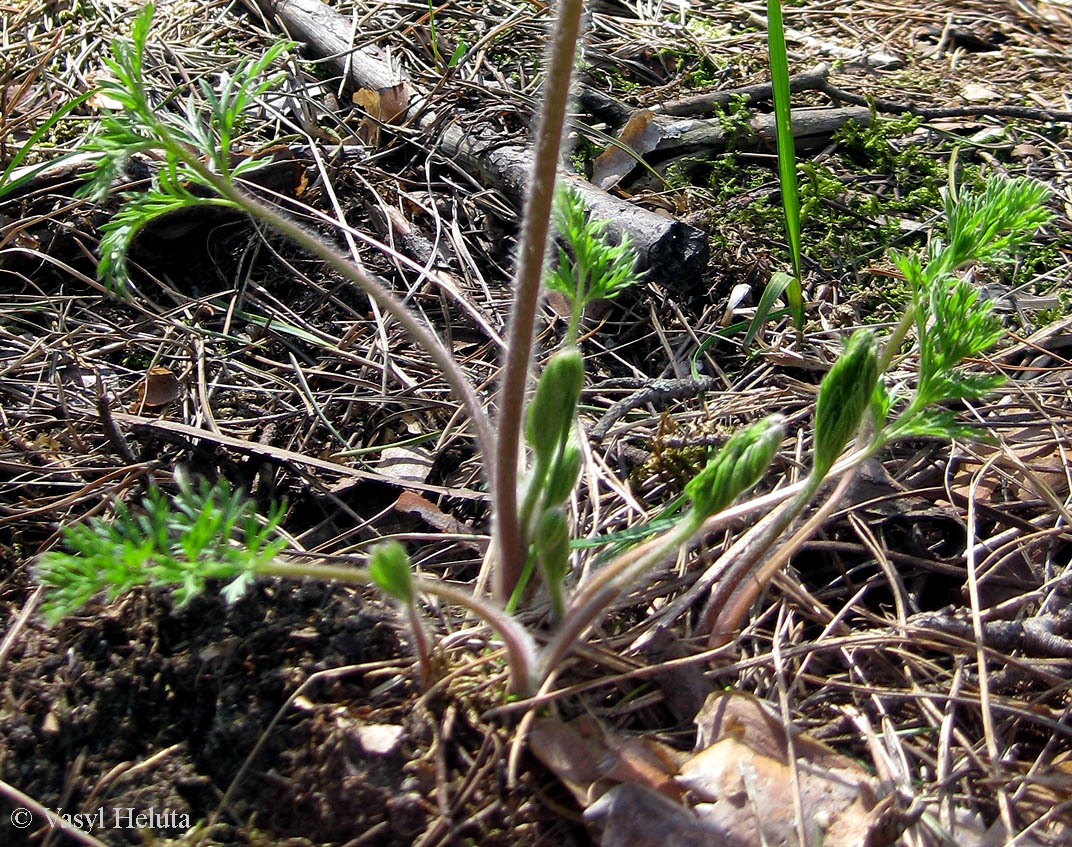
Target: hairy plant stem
(344,267)
(744,589)
(533,490)
(576,313)
(593,599)
(531,251)
(420,644)
(746,551)
(897,337)
(520,647)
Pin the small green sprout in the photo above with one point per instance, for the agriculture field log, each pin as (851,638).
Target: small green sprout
(390,569)
(787,161)
(952,324)
(592,268)
(735,468)
(846,391)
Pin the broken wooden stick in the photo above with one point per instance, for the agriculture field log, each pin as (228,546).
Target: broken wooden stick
(671,250)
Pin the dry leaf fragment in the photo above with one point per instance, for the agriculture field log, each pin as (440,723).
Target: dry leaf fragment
(430,513)
(394,102)
(590,760)
(975,93)
(159,388)
(412,503)
(745,779)
(404,464)
(383,105)
(1026,151)
(738,790)
(369,129)
(635,816)
(640,135)
(99,100)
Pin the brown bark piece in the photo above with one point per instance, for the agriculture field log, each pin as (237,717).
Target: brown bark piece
(327,33)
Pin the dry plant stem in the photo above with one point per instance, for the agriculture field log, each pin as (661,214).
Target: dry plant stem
(747,589)
(387,301)
(631,561)
(520,648)
(533,246)
(521,734)
(26,802)
(985,702)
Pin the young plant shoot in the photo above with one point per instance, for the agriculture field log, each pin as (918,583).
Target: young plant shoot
(952,325)
(211,534)
(589,267)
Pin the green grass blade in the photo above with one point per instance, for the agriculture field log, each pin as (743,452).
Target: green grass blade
(459,52)
(5,186)
(787,164)
(733,329)
(780,282)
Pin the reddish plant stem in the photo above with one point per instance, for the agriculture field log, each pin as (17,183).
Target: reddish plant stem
(745,588)
(533,246)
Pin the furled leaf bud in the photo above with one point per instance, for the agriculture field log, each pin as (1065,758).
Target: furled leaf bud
(390,570)
(563,475)
(552,543)
(737,467)
(551,410)
(846,391)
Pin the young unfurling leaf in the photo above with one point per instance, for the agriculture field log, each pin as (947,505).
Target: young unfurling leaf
(552,544)
(563,475)
(846,391)
(390,569)
(550,414)
(736,468)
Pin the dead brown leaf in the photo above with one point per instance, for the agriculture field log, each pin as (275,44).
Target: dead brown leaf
(159,388)
(641,134)
(590,761)
(385,105)
(412,503)
(739,789)
(369,129)
(746,782)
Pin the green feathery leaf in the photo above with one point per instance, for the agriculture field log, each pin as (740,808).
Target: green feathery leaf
(181,543)
(195,133)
